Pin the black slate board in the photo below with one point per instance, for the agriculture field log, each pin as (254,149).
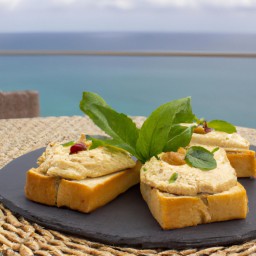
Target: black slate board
(126,221)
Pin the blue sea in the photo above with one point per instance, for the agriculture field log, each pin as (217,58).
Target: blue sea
(221,88)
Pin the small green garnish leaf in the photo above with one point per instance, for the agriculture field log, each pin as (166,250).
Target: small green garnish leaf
(222,126)
(67,144)
(200,158)
(215,149)
(145,169)
(173,178)
(199,121)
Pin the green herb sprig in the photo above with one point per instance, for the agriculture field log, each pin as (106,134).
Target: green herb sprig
(160,132)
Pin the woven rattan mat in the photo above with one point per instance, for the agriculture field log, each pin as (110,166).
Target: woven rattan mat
(19,237)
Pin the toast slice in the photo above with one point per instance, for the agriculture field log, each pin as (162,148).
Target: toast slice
(240,156)
(172,211)
(243,161)
(41,188)
(84,195)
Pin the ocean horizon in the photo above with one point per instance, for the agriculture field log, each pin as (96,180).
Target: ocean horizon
(221,88)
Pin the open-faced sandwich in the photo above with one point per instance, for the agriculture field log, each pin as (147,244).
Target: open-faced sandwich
(81,178)
(180,195)
(183,185)
(221,134)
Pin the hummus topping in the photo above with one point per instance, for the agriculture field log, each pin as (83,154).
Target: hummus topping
(57,161)
(191,181)
(220,139)
(228,141)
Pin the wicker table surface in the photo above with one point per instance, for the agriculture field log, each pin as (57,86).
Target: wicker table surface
(19,237)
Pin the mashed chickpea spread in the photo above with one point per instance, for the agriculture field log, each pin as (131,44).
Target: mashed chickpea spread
(190,181)
(232,141)
(57,161)
(229,141)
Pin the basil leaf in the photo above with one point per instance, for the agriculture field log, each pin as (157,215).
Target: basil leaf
(108,143)
(90,98)
(154,132)
(223,126)
(117,125)
(99,142)
(179,136)
(67,144)
(184,114)
(173,178)
(201,158)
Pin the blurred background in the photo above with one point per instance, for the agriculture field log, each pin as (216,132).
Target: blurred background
(135,54)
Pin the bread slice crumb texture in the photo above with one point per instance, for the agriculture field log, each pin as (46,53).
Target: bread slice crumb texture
(41,188)
(173,212)
(92,193)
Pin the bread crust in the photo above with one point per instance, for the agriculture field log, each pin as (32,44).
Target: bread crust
(81,197)
(41,188)
(173,212)
(243,162)
(76,195)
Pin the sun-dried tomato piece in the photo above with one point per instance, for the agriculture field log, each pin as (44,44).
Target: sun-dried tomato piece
(77,147)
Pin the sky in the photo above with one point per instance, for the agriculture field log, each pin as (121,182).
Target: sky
(223,16)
